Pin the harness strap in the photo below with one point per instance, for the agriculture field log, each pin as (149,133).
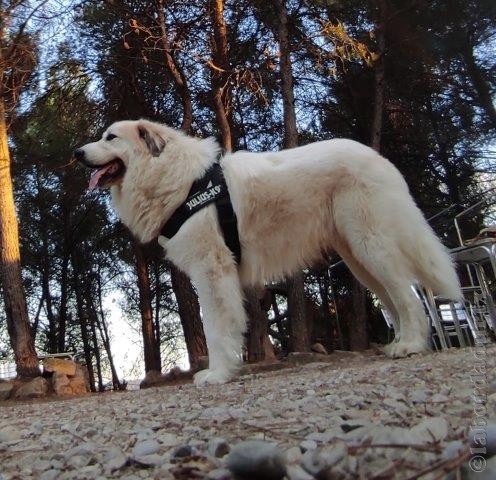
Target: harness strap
(208,189)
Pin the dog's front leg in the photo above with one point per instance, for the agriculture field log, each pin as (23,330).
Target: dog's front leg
(224,318)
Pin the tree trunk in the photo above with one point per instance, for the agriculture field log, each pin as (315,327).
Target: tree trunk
(257,343)
(150,343)
(83,324)
(174,70)
(298,327)
(96,351)
(379,80)
(359,338)
(480,83)
(104,333)
(299,332)
(10,263)
(64,283)
(220,72)
(358,328)
(158,295)
(189,313)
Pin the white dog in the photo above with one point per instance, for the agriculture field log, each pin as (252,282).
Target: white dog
(292,207)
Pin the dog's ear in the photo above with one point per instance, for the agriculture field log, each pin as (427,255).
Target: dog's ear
(154,142)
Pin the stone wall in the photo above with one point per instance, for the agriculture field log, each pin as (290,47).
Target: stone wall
(61,377)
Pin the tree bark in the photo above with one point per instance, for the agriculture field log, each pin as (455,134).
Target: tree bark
(358,334)
(189,313)
(83,324)
(64,282)
(174,70)
(298,328)
(220,72)
(13,290)
(379,80)
(480,83)
(358,328)
(257,343)
(104,333)
(150,343)
(96,351)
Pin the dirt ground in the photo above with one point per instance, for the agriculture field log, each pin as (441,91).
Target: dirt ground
(359,416)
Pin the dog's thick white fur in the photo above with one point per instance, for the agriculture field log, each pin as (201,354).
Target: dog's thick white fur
(292,206)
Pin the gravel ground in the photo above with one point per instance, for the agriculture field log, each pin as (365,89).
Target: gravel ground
(360,416)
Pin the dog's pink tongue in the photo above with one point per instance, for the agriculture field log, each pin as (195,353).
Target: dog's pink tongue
(96,175)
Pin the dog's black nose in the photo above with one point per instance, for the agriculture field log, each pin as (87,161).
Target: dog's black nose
(79,154)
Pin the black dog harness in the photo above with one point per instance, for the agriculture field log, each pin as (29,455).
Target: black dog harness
(211,188)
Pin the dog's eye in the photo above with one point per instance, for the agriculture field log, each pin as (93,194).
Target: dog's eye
(110,136)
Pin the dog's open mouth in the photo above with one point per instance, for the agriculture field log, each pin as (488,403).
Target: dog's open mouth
(106,175)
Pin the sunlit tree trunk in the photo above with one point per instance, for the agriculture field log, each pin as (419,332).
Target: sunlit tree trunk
(10,265)
(150,343)
(298,328)
(103,330)
(189,313)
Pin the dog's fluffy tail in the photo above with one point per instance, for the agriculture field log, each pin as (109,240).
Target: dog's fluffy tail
(433,265)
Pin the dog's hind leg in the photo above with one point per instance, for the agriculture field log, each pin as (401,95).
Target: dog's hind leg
(224,317)
(365,277)
(381,257)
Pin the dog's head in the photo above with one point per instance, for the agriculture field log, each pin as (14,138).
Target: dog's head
(121,144)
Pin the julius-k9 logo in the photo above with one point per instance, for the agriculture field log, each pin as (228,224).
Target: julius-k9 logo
(211,191)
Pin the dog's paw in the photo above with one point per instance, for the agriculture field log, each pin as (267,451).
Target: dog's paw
(212,377)
(403,349)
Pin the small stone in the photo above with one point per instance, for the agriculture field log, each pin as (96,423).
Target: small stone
(183,451)
(9,434)
(431,430)
(295,472)
(256,459)
(5,390)
(453,449)
(306,445)
(86,449)
(318,348)
(219,474)
(90,472)
(418,396)
(41,465)
(147,447)
(218,447)
(315,462)
(50,475)
(35,388)
(114,459)
(293,455)
(152,460)
(78,461)
(168,440)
